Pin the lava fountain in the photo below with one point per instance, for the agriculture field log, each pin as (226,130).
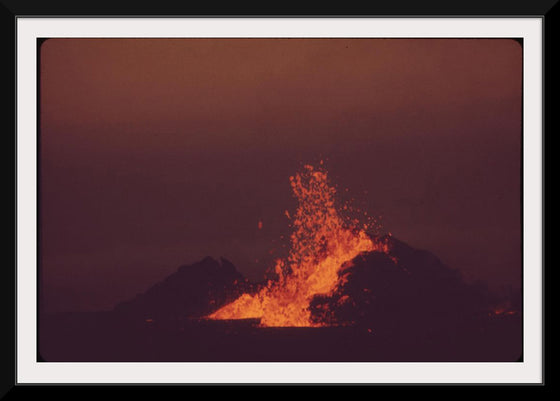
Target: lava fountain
(322,241)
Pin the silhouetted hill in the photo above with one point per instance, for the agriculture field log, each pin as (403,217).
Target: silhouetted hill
(405,306)
(407,290)
(192,291)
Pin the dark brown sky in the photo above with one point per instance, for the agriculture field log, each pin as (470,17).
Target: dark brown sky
(156,153)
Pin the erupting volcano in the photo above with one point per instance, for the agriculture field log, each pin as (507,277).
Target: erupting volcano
(187,217)
(322,241)
(369,297)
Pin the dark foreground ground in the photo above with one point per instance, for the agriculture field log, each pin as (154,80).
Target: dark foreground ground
(108,337)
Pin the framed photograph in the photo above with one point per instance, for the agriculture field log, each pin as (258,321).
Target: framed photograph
(265,200)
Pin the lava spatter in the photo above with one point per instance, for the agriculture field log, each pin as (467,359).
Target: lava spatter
(321,242)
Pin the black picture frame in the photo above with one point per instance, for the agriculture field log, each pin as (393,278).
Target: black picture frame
(10,10)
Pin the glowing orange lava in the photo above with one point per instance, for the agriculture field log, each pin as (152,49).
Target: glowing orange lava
(321,242)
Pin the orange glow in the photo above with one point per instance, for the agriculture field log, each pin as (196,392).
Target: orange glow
(260,225)
(504,311)
(321,242)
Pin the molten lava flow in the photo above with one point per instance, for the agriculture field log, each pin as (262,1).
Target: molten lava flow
(321,242)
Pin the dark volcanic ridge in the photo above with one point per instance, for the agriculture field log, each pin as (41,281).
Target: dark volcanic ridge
(403,306)
(193,291)
(407,288)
